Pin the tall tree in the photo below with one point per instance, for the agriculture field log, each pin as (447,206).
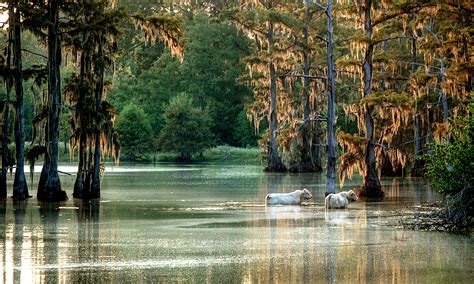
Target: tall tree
(93,117)
(331,116)
(384,104)
(309,159)
(274,162)
(20,188)
(49,188)
(371,182)
(264,21)
(8,80)
(93,33)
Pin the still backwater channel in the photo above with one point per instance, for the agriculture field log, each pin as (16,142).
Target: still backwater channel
(208,223)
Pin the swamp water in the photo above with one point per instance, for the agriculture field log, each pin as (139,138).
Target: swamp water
(208,224)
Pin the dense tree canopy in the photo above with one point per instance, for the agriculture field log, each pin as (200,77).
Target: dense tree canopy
(390,77)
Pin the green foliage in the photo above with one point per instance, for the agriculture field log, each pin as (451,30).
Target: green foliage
(135,133)
(244,132)
(149,76)
(187,128)
(451,167)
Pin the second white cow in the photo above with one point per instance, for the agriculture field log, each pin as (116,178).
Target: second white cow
(340,200)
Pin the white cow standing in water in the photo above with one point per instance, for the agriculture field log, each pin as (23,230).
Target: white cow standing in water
(292,198)
(340,200)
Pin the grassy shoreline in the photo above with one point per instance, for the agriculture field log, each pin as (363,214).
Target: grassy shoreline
(218,155)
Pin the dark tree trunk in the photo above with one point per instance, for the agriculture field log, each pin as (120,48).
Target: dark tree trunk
(79,190)
(5,133)
(87,190)
(310,159)
(52,188)
(79,183)
(6,109)
(95,186)
(274,163)
(331,118)
(371,182)
(98,106)
(20,188)
(42,194)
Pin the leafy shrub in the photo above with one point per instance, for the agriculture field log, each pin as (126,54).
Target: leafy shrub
(135,133)
(450,168)
(187,128)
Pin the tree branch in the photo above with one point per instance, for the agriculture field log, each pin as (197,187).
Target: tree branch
(305,76)
(321,38)
(403,11)
(37,54)
(390,38)
(320,6)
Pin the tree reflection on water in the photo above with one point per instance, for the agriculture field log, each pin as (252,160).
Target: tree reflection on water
(132,235)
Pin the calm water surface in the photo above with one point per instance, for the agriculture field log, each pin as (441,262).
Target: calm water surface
(208,224)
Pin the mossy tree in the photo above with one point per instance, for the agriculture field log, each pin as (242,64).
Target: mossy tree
(384,102)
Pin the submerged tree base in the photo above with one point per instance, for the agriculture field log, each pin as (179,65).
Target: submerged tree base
(22,196)
(55,196)
(305,167)
(280,167)
(363,192)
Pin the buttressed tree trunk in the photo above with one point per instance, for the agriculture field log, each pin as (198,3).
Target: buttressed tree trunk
(371,182)
(78,191)
(20,188)
(52,191)
(274,162)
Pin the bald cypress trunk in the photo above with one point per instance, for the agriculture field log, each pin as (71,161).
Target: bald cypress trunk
(20,188)
(98,106)
(371,182)
(78,191)
(418,165)
(310,157)
(52,187)
(274,162)
(331,117)
(5,133)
